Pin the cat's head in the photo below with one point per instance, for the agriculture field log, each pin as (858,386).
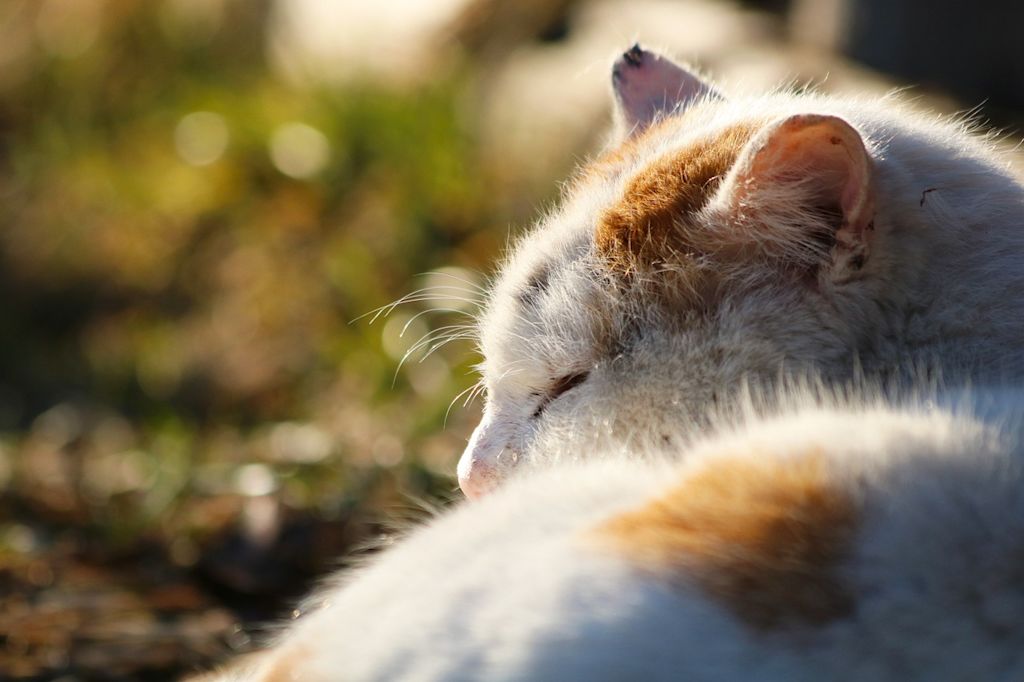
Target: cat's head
(712,245)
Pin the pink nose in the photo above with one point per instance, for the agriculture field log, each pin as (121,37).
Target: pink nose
(476,478)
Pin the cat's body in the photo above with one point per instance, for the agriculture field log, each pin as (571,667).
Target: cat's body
(842,544)
(800,256)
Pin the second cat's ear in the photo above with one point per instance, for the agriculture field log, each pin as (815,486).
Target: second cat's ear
(802,188)
(648,86)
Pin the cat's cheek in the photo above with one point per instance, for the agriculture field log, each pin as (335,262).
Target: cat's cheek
(487,458)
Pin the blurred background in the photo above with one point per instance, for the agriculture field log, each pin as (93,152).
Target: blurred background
(201,200)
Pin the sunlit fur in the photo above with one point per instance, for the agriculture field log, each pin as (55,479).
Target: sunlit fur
(939,287)
(872,544)
(771,470)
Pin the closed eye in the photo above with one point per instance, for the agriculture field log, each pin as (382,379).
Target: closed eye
(566,383)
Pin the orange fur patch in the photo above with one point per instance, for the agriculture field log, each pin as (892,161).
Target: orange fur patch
(763,536)
(647,224)
(629,149)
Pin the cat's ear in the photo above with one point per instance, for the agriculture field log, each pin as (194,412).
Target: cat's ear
(648,86)
(802,188)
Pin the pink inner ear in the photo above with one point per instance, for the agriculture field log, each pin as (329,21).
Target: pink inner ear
(822,149)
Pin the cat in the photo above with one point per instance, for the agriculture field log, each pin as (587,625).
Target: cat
(706,372)
(722,244)
(838,542)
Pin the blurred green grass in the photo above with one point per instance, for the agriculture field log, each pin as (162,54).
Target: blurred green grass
(197,417)
(186,241)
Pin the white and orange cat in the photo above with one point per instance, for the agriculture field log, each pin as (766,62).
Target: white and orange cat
(682,509)
(725,243)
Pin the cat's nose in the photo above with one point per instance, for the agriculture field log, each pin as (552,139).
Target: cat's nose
(476,477)
(487,458)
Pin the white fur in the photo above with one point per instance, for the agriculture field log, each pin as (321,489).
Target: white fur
(939,289)
(508,588)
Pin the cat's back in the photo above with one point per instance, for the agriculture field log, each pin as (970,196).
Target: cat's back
(856,543)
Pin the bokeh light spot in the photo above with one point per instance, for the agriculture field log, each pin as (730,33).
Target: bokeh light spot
(299,150)
(295,442)
(255,480)
(401,333)
(455,288)
(201,138)
(67,28)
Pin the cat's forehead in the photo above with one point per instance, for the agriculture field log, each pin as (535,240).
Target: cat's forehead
(634,200)
(641,182)
(643,210)
(541,292)
(657,201)
(560,278)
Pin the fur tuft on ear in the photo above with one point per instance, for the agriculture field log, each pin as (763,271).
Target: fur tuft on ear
(802,189)
(648,86)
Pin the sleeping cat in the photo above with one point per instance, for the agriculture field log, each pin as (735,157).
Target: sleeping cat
(725,244)
(727,260)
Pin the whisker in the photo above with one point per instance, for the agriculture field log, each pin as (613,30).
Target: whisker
(443,340)
(412,319)
(471,390)
(478,390)
(511,371)
(442,273)
(419,296)
(431,337)
(452,331)
(426,294)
